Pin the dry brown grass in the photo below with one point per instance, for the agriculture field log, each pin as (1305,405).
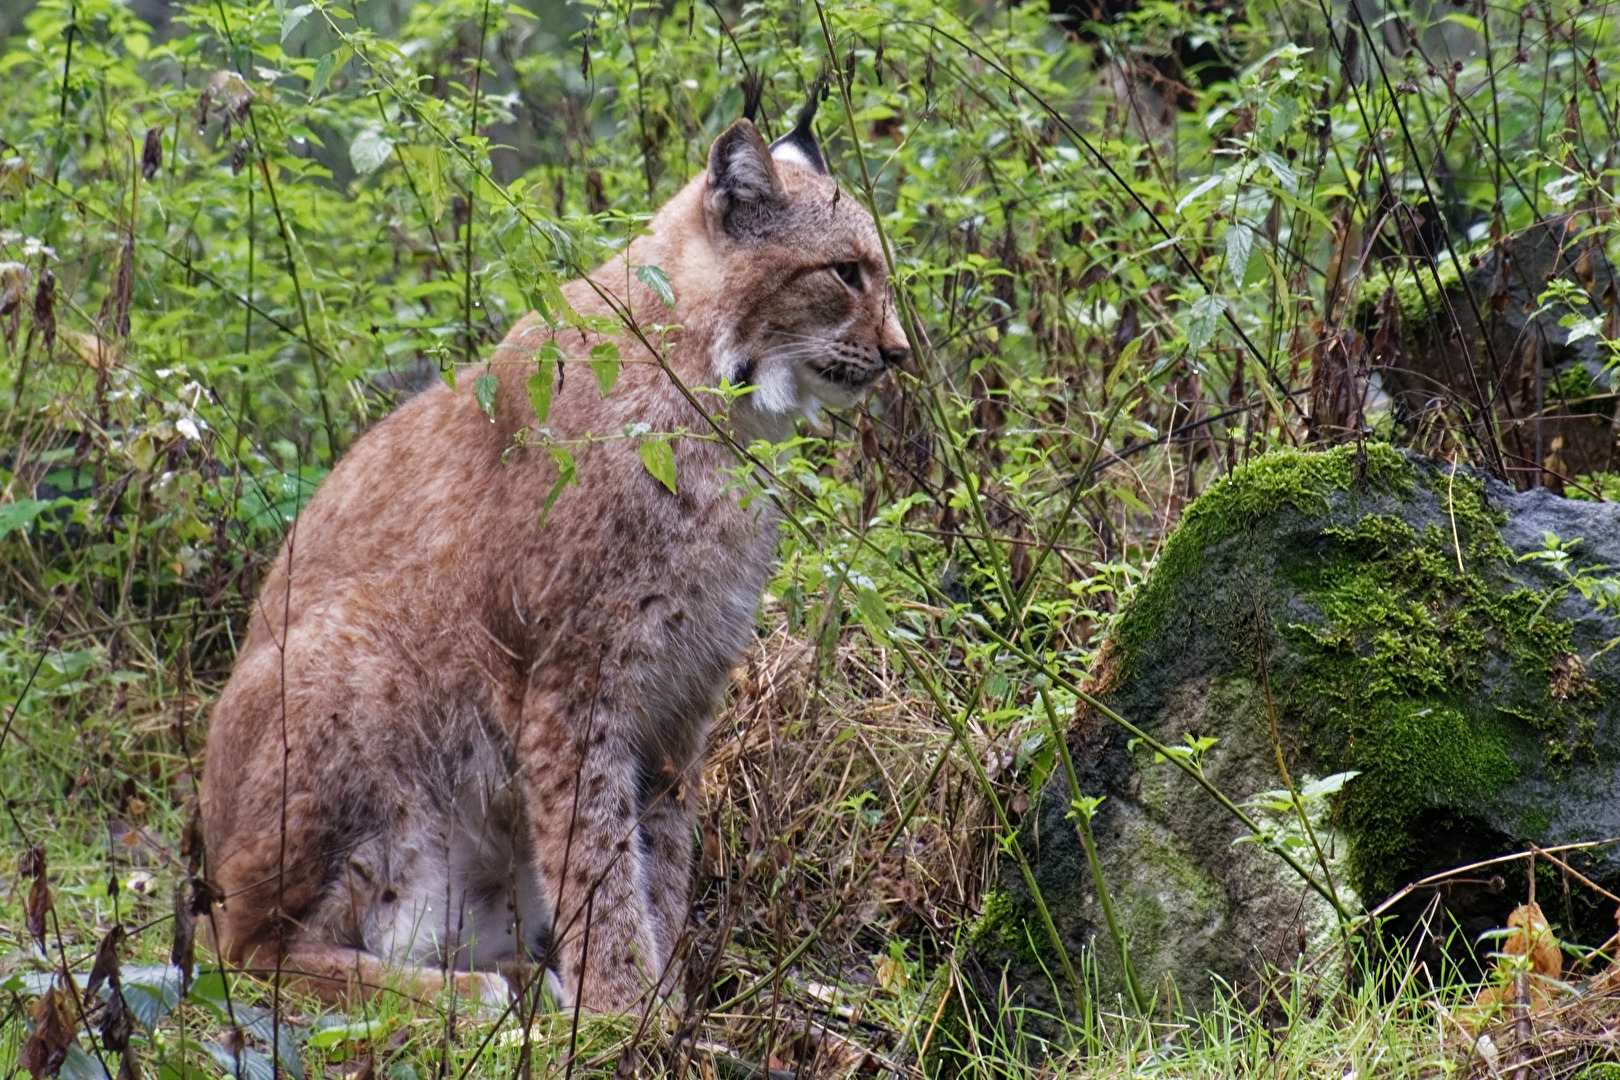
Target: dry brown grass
(814,763)
(810,772)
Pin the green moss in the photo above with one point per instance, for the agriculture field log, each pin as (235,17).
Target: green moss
(1000,928)
(1254,491)
(1413,655)
(1393,680)
(1415,293)
(1600,1070)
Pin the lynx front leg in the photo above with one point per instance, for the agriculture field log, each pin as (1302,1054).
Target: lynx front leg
(666,830)
(580,778)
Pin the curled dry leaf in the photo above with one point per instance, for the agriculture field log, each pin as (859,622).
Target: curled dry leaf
(152,153)
(54,1031)
(45,308)
(1386,342)
(105,967)
(191,840)
(116,1024)
(113,318)
(14,176)
(97,352)
(183,949)
(231,92)
(38,904)
(13,284)
(1529,939)
(13,287)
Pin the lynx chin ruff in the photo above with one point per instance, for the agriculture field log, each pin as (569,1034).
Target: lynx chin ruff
(457,743)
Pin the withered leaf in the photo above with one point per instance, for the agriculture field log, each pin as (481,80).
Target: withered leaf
(228,87)
(13,285)
(191,840)
(14,175)
(183,950)
(152,153)
(869,440)
(38,904)
(1583,269)
(117,1025)
(45,308)
(54,1032)
(1128,326)
(1499,283)
(1386,342)
(204,99)
(105,967)
(114,316)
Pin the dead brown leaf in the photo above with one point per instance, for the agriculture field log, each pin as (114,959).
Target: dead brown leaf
(38,904)
(183,948)
(1530,937)
(54,1031)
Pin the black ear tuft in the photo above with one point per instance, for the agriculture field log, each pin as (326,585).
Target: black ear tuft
(753,88)
(800,144)
(743,184)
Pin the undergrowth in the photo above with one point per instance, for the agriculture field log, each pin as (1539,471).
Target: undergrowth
(1132,253)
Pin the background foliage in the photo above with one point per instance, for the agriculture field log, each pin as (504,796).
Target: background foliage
(1136,245)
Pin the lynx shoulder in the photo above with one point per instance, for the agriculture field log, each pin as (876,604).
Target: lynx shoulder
(458,741)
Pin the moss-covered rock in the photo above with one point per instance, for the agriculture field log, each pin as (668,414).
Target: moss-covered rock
(1357,610)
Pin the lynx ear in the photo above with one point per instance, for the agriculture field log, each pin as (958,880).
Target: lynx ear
(800,144)
(742,179)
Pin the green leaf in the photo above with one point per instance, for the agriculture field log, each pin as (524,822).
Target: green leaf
(21,514)
(658,282)
(1239,243)
(1327,785)
(324,67)
(659,457)
(1279,168)
(426,165)
(540,385)
(291,19)
(874,612)
(1203,186)
(1284,110)
(605,364)
(359,1031)
(369,149)
(1201,322)
(1085,807)
(484,388)
(996,686)
(565,476)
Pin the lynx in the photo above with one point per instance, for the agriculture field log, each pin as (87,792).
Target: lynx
(460,740)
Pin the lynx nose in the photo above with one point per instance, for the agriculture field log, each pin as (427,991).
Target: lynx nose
(893,357)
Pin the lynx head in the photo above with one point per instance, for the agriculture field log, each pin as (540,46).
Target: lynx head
(811,320)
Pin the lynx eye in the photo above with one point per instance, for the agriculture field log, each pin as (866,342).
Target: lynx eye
(849,273)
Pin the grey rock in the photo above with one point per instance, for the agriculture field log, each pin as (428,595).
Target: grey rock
(1480,706)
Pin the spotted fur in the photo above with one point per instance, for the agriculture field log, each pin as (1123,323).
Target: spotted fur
(457,742)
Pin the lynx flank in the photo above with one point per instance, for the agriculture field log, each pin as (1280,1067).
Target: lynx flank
(458,741)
